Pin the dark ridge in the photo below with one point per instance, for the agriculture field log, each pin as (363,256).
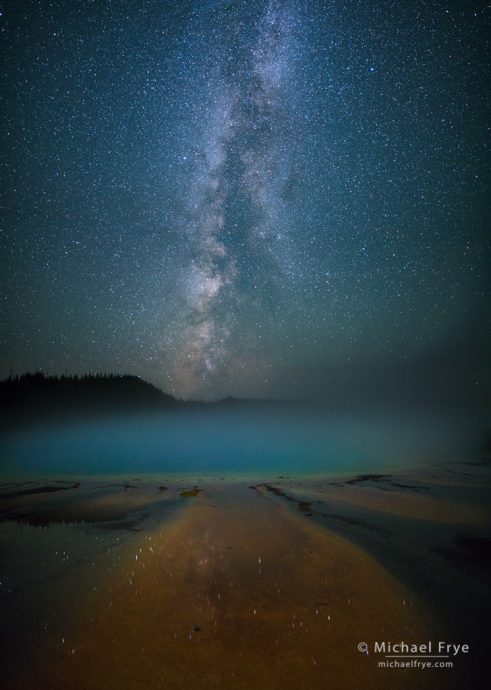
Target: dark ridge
(367,478)
(39,490)
(306,508)
(384,482)
(36,396)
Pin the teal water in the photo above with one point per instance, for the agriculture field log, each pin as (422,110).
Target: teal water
(229,441)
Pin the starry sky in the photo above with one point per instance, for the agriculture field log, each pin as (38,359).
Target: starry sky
(260,198)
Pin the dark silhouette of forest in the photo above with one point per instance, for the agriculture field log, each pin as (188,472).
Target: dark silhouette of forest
(37,395)
(37,398)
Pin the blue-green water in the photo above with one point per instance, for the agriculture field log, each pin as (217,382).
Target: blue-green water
(228,441)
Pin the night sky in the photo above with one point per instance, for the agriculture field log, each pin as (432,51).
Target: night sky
(273,198)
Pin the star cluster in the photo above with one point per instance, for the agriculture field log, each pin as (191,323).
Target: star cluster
(244,198)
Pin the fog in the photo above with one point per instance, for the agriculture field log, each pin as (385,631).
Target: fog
(236,439)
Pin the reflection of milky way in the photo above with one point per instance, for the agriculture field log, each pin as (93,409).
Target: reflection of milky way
(241,165)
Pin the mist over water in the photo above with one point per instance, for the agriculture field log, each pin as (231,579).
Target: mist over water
(231,440)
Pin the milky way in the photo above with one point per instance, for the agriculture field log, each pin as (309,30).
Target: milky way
(266,198)
(236,223)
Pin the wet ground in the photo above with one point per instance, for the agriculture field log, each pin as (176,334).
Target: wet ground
(234,582)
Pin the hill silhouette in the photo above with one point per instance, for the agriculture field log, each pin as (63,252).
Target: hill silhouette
(34,395)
